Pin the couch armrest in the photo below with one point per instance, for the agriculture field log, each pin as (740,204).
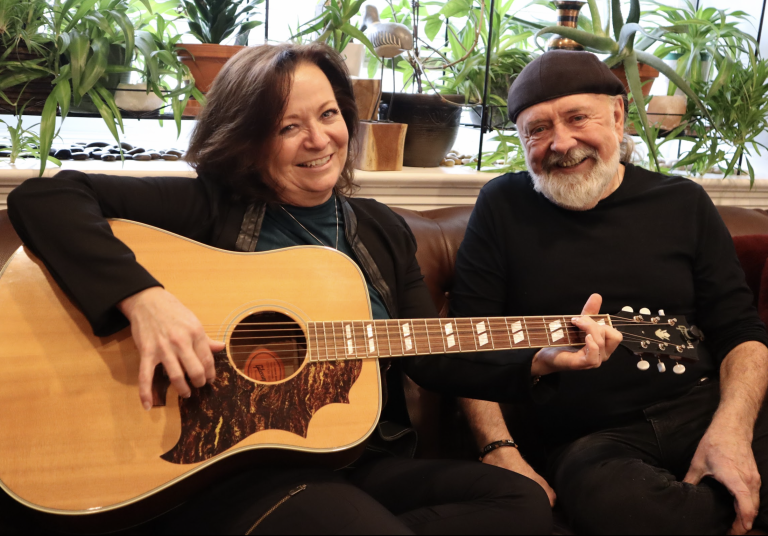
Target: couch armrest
(9,240)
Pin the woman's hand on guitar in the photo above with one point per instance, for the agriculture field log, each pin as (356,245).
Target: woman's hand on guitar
(167,332)
(601,341)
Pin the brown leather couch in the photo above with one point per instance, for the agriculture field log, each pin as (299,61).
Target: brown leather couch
(439,234)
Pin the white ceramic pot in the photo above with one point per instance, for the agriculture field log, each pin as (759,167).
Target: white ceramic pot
(662,84)
(353,55)
(137,101)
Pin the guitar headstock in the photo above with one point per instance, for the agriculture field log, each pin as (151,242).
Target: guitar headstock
(659,334)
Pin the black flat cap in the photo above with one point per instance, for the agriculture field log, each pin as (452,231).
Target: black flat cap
(559,73)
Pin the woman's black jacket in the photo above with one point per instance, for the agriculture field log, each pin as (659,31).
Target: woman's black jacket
(63,220)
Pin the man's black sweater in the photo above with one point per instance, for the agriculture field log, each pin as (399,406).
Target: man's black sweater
(656,242)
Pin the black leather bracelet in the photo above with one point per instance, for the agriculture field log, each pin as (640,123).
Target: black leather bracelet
(496,445)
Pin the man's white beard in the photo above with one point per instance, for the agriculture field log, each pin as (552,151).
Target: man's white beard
(576,191)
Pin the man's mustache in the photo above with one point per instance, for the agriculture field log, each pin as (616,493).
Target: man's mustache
(576,154)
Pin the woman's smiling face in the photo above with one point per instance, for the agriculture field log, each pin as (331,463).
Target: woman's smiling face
(311,145)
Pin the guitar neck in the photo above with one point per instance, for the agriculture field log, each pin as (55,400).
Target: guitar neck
(370,339)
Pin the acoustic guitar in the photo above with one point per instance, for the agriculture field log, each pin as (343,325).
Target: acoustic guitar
(299,373)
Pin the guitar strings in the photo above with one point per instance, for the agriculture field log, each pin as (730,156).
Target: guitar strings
(345,356)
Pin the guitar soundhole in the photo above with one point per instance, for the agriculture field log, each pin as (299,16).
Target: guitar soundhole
(268,347)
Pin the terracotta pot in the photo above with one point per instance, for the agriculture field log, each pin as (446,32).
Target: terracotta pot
(666,112)
(433,125)
(646,73)
(204,62)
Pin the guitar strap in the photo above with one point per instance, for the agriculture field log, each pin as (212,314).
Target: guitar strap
(251,227)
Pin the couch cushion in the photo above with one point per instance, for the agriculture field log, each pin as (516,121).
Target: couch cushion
(438,235)
(744,221)
(752,251)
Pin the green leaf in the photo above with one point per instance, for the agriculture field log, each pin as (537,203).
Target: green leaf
(128,34)
(617,18)
(357,34)
(588,40)
(64,95)
(85,7)
(147,46)
(109,100)
(433,26)
(48,126)
(636,87)
(95,67)
(597,23)
(456,8)
(106,114)
(78,55)
(634,12)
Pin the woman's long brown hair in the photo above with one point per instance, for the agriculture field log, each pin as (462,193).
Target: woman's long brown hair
(246,104)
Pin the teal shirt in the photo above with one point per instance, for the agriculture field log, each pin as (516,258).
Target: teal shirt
(279,231)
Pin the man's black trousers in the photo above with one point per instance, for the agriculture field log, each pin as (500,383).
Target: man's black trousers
(628,480)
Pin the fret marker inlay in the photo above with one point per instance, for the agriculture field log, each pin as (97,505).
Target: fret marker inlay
(408,344)
(601,322)
(448,328)
(480,328)
(557,335)
(451,341)
(350,348)
(349,331)
(518,337)
(554,326)
(483,339)
(406,329)
(517,326)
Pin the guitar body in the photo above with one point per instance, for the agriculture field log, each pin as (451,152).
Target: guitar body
(74,438)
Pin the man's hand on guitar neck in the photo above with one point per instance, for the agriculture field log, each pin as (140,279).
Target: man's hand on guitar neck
(167,332)
(601,341)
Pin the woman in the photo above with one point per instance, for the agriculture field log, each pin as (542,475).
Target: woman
(273,150)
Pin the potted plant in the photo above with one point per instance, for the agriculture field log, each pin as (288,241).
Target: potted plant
(622,51)
(508,58)
(24,142)
(156,63)
(26,64)
(433,118)
(700,41)
(84,47)
(212,22)
(738,112)
(333,25)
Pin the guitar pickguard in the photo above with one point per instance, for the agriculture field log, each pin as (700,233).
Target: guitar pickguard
(218,416)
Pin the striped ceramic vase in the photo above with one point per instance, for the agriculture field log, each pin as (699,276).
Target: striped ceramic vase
(567,15)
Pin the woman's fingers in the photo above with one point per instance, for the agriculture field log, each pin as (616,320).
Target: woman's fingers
(176,373)
(166,332)
(146,375)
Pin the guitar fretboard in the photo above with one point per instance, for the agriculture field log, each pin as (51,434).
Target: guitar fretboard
(362,339)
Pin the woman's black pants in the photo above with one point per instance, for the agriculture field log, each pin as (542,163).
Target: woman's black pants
(387,496)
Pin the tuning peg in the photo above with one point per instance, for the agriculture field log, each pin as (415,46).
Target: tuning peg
(679,368)
(697,332)
(661,312)
(628,309)
(661,366)
(643,364)
(645,311)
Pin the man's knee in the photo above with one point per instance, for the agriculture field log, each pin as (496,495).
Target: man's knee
(522,503)
(629,496)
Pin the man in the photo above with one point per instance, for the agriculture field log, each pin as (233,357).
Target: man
(627,451)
